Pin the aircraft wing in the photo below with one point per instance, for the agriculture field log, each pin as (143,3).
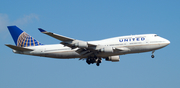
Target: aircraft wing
(65,40)
(59,37)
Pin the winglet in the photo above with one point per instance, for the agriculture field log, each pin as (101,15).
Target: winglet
(42,30)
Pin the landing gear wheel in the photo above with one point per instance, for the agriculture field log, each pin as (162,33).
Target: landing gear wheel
(92,61)
(152,56)
(88,61)
(99,61)
(97,64)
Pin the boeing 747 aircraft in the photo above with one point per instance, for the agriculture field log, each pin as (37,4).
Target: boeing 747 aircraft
(91,51)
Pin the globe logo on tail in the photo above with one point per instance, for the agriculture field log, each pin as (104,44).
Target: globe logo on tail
(25,40)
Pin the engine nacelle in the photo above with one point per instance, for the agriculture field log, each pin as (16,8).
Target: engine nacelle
(81,44)
(113,58)
(75,43)
(106,49)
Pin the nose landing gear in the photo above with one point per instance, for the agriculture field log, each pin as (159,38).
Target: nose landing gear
(152,56)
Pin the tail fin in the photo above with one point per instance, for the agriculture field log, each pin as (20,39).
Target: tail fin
(21,38)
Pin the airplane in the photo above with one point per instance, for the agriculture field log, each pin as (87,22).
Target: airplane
(92,51)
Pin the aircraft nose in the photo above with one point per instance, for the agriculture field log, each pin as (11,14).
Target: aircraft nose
(167,42)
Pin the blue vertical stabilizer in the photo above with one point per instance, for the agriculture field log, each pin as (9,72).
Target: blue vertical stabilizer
(21,38)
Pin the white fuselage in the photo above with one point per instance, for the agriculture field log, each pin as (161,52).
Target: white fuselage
(130,44)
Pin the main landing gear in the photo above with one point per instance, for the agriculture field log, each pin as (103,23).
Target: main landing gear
(92,60)
(152,54)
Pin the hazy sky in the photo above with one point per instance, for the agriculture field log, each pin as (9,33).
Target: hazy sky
(91,20)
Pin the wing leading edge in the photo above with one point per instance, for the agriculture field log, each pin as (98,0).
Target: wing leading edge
(70,42)
(59,37)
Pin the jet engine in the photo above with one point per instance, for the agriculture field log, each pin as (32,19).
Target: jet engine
(113,58)
(106,49)
(81,44)
(76,43)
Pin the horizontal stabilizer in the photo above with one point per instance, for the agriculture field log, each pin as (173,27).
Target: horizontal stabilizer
(18,48)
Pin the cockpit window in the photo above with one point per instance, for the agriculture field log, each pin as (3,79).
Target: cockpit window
(155,35)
